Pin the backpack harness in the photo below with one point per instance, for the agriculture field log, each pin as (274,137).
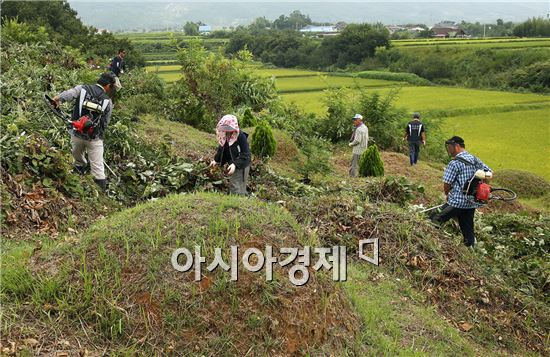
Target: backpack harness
(475,187)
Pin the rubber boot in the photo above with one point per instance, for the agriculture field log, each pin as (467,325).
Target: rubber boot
(102,184)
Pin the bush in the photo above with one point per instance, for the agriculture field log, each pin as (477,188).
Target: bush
(337,124)
(15,31)
(384,120)
(370,163)
(212,85)
(535,77)
(317,155)
(248,120)
(263,142)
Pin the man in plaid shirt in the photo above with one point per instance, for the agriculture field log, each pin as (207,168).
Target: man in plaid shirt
(455,176)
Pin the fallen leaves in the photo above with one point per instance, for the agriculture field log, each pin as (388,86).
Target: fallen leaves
(465,326)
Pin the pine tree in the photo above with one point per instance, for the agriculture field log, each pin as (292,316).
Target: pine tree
(370,163)
(248,120)
(263,143)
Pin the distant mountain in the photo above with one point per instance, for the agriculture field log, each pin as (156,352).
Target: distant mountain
(121,15)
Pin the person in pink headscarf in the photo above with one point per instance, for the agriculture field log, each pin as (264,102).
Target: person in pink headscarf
(234,151)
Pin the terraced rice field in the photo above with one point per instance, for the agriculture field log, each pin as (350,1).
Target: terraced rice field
(508,130)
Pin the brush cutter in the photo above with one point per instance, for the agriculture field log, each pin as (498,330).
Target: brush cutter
(501,194)
(50,103)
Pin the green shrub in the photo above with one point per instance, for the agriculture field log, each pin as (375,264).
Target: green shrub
(370,163)
(248,120)
(212,85)
(317,155)
(384,120)
(13,30)
(337,124)
(263,143)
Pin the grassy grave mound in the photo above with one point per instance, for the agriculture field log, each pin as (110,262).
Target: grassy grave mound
(472,290)
(524,183)
(182,140)
(116,289)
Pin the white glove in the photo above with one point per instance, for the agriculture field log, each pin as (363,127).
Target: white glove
(121,71)
(231,169)
(213,163)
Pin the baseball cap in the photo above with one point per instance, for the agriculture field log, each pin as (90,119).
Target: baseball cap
(106,78)
(357,116)
(455,140)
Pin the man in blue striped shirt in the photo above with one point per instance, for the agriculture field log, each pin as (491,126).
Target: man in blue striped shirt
(459,171)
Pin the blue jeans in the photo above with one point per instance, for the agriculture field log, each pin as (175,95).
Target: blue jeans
(414,151)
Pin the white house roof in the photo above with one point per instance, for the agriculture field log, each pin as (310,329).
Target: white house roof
(312,28)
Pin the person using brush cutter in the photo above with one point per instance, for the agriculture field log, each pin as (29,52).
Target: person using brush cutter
(465,188)
(233,150)
(89,119)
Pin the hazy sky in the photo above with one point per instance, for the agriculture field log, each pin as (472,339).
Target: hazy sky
(132,14)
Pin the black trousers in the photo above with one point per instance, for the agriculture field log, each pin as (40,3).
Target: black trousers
(465,221)
(414,151)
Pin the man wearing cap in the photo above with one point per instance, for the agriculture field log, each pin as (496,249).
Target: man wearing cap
(460,170)
(358,142)
(415,134)
(83,143)
(233,150)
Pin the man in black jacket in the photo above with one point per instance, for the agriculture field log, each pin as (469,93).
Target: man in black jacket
(117,64)
(92,112)
(233,150)
(415,134)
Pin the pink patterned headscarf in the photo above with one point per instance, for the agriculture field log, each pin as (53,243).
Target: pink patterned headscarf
(228,123)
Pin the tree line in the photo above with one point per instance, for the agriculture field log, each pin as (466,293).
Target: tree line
(288,48)
(58,22)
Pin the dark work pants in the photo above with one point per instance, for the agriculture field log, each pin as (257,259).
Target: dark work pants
(465,221)
(414,151)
